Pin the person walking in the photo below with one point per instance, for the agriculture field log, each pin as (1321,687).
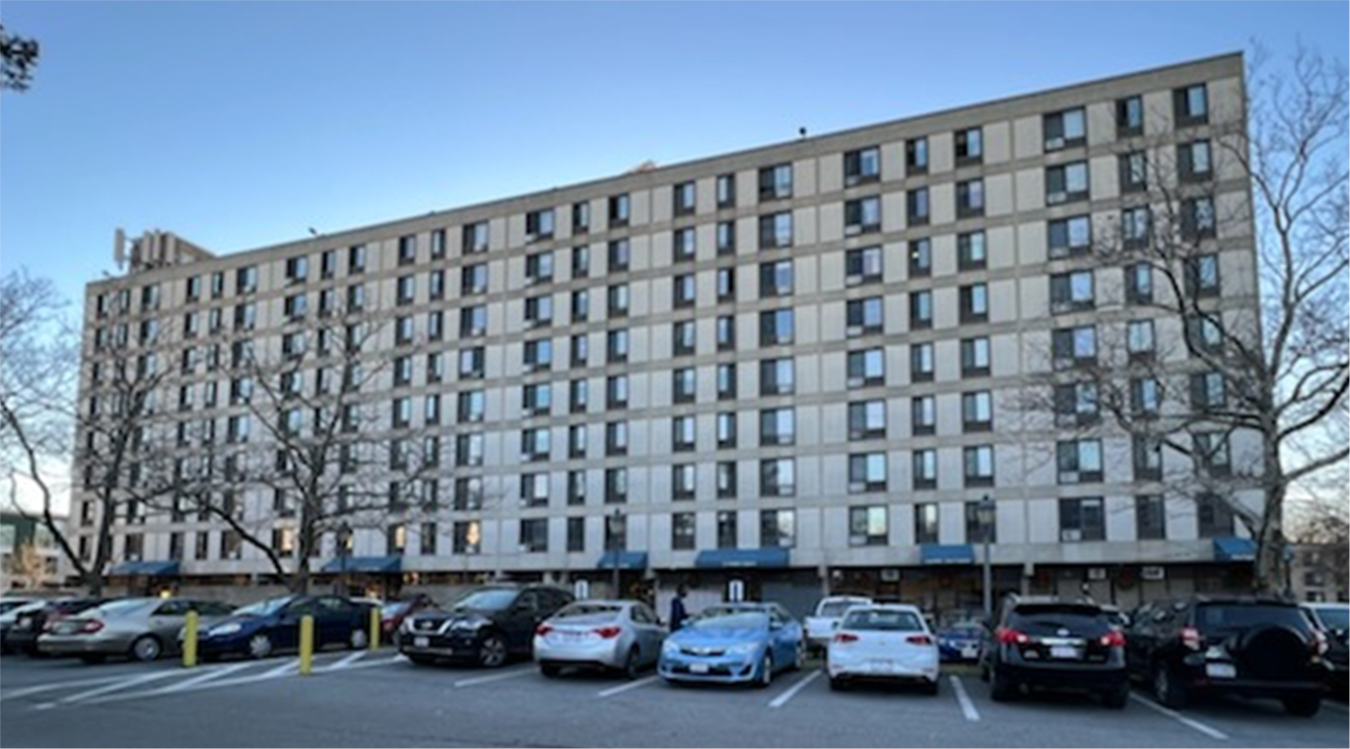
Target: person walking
(677,612)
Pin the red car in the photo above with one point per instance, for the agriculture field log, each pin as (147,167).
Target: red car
(392,614)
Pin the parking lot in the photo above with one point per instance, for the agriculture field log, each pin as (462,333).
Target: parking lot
(378,699)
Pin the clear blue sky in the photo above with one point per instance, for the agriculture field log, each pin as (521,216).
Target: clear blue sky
(238,125)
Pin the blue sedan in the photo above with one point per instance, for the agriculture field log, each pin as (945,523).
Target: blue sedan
(960,642)
(273,625)
(733,643)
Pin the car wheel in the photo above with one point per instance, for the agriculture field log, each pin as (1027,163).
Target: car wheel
(1304,707)
(359,639)
(1169,691)
(1116,698)
(93,658)
(632,665)
(146,648)
(549,670)
(765,672)
(492,651)
(260,645)
(1000,689)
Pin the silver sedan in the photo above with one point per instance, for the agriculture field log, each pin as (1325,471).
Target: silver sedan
(613,635)
(141,628)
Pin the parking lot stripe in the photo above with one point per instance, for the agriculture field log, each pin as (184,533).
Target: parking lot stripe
(1213,733)
(346,661)
(282,669)
(40,688)
(1336,706)
(133,681)
(521,671)
(783,698)
(200,678)
(967,707)
(624,688)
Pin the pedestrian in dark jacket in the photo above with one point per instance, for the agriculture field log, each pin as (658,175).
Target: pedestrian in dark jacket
(677,612)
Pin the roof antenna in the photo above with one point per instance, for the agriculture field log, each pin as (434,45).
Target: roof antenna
(313,232)
(801,131)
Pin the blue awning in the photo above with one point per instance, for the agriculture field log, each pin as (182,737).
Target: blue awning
(364,564)
(946,554)
(720,558)
(149,569)
(624,560)
(1234,549)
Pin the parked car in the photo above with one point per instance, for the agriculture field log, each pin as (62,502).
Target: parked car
(23,636)
(1334,621)
(485,625)
(883,642)
(1252,646)
(8,619)
(142,629)
(273,625)
(733,643)
(613,635)
(960,641)
(1049,643)
(392,614)
(819,626)
(9,603)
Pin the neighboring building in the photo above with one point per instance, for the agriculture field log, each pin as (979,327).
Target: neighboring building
(35,568)
(1318,572)
(796,366)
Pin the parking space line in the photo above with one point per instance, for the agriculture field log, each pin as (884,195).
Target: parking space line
(624,688)
(133,681)
(495,677)
(967,707)
(1336,706)
(40,688)
(344,662)
(1213,733)
(200,678)
(783,698)
(282,669)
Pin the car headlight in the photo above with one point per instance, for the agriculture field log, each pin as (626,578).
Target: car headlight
(743,648)
(224,629)
(670,648)
(469,625)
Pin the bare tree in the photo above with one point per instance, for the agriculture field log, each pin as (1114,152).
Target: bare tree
(18,57)
(1326,525)
(1275,380)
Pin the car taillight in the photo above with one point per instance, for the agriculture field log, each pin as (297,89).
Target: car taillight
(1190,637)
(542,630)
(90,626)
(1009,636)
(1114,639)
(845,637)
(608,632)
(919,640)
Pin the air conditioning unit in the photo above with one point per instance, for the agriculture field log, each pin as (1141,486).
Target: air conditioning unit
(1055,198)
(1069,477)
(1096,573)
(852,229)
(1053,143)
(1071,534)
(857,487)
(1152,572)
(853,280)
(855,382)
(890,575)
(854,330)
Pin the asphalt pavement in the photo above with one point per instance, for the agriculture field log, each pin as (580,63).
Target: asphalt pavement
(379,699)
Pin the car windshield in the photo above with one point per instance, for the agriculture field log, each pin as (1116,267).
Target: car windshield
(395,608)
(882,620)
(964,630)
(577,610)
(118,608)
(1222,619)
(729,619)
(1081,621)
(264,608)
(1333,618)
(836,608)
(8,606)
(486,600)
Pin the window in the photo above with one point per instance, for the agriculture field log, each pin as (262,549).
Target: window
(969,146)
(726,284)
(1071,292)
(777,529)
(775,182)
(616,438)
(726,479)
(1211,455)
(866,368)
(920,309)
(534,535)
(685,199)
(777,426)
(471,363)
(577,396)
(539,267)
(726,190)
(921,362)
(926,523)
(970,198)
(1139,283)
(1194,162)
(473,322)
(246,280)
(1197,219)
(920,258)
(581,217)
(1077,404)
(726,332)
(777,376)
(576,534)
(726,237)
(923,415)
(474,279)
(925,469)
(617,301)
(581,305)
(1150,518)
(1133,172)
(684,292)
(1074,346)
(862,166)
(402,370)
(1190,105)
(539,225)
(977,411)
(867,472)
(726,529)
(1204,333)
(297,269)
(616,488)
(864,316)
(775,230)
(1129,116)
(970,251)
(1082,519)
(775,327)
(616,346)
(682,481)
(476,238)
(576,487)
(1214,516)
(538,311)
(862,216)
(534,489)
(978,462)
(778,477)
(726,381)
(974,300)
(863,265)
(616,391)
(1146,458)
(1079,461)
(683,385)
(1139,340)
(1066,183)
(867,420)
(1202,276)
(471,406)
(1065,129)
(536,398)
(682,531)
(916,206)
(683,338)
(576,441)
(776,278)
(619,210)
(581,261)
(620,256)
(468,537)
(975,357)
(1144,397)
(436,284)
(916,156)
(683,433)
(1135,227)
(726,430)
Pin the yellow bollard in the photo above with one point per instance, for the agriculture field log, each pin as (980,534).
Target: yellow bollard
(375,628)
(190,640)
(306,644)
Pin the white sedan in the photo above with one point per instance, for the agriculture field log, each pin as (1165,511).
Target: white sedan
(622,635)
(884,643)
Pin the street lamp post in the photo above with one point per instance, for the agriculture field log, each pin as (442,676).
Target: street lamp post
(344,543)
(616,532)
(985,512)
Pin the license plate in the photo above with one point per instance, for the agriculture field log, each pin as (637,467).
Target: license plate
(882,665)
(698,668)
(1063,651)
(1220,670)
(421,642)
(970,652)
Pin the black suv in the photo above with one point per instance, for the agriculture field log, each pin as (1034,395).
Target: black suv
(1052,643)
(485,625)
(1252,646)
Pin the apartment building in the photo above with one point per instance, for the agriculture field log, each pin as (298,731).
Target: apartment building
(774,372)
